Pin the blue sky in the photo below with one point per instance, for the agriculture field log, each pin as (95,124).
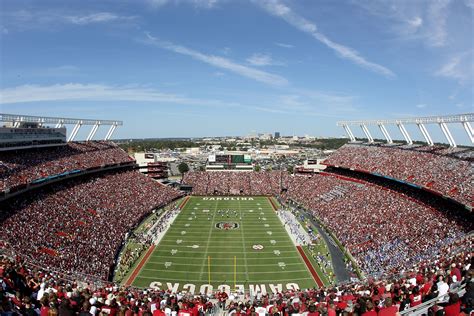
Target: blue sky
(221,67)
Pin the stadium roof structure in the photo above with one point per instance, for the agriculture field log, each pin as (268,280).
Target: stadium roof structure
(17,119)
(442,121)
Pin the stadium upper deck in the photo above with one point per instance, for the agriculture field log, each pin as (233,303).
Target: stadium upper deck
(19,168)
(448,171)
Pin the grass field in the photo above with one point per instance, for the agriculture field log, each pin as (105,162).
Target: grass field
(194,240)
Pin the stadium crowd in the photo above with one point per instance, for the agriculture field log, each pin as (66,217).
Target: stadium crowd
(234,183)
(384,230)
(21,167)
(27,290)
(78,226)
(447,171)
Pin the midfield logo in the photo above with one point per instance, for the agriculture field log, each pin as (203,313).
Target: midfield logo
(227,225)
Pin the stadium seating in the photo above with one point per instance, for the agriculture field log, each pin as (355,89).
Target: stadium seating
(234,183)
(445,170)
(22,167)
(78,226)
(384,230)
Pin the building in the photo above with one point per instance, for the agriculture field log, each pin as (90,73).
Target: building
(277,135)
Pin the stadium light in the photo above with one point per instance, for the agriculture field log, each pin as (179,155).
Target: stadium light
(441,121)
(17,119)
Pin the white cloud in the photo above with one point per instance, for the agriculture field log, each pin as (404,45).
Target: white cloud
(314,103)
(459,67)
(293,102)
(413,20)
(157,3)
(259,59)
(421,105)
(93,92)
(110,93)
(208,4)
(220,62)
(416,22)
(100,17)
(48,19)
(438,14)
(277,8)
(284,45)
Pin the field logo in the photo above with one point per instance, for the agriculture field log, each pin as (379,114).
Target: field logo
(227,225)
(257,247)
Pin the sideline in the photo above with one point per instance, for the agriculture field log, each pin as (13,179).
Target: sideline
(183,203)
(310,267)
(140,266)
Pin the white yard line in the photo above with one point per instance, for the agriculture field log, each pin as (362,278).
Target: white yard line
(208,241)
(243,243)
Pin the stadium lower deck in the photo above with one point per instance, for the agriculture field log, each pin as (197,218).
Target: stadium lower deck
(237,242)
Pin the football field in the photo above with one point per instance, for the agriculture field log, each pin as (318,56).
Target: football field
(237,242)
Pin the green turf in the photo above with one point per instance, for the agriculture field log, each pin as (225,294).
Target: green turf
(193,226)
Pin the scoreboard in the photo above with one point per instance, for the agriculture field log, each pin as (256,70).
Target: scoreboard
(230,159)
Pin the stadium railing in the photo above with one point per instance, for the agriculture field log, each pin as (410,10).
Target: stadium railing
(422,309)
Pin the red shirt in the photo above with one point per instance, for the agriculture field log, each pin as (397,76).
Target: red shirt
(415,300)
(44,311)
(455,271)
(370,313)
(388,311)
(158,312)
(426,288)
(453,309)
(222,296)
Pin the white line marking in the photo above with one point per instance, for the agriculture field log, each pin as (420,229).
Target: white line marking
(208,240)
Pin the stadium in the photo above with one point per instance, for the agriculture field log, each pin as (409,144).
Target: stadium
(81,226)
(236,157)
